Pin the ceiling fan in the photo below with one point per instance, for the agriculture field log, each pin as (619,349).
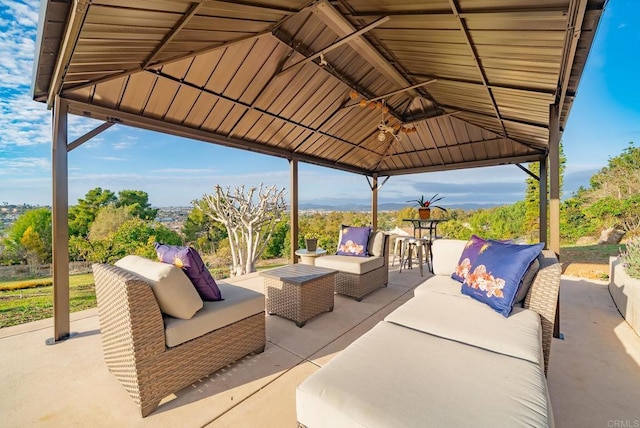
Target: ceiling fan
(385,128)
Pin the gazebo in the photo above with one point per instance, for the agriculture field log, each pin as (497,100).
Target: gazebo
(376,88)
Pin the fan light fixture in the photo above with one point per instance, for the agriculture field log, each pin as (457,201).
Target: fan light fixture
(383,127)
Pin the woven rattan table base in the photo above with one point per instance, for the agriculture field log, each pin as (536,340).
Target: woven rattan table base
(299,292)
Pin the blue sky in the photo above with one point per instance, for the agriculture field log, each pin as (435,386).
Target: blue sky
(605,117)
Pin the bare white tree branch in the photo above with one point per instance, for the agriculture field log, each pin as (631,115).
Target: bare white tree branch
(249,219)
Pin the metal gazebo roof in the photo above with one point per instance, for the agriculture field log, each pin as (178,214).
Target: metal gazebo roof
(466,82)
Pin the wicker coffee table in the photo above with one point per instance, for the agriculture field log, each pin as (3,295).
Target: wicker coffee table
(299,292)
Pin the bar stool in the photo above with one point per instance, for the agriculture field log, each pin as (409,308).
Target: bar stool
(397,246)
(406,253)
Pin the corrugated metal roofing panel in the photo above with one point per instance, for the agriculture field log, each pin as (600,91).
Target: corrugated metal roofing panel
(222,67)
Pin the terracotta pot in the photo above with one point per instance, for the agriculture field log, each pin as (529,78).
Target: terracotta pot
(312,244)
(424,213)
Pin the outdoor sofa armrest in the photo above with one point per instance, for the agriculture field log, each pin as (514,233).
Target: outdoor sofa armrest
(543,298)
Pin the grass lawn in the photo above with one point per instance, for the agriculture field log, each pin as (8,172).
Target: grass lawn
(30,303)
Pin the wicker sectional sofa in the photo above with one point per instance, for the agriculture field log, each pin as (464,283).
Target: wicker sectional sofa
(153,354)
(359,276)
(443,359)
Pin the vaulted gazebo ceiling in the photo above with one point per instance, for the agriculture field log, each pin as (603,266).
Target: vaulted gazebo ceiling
(475,78)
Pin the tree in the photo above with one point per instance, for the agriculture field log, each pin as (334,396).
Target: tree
(202,232)
(532,196)
(613,198)
(138,201)
(35,249)
(38,224)
(249,219)
(108,220)
(82,215)
(134,236)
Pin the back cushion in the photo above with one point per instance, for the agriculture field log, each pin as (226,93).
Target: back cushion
(446,253)
(174,291)
(376,244)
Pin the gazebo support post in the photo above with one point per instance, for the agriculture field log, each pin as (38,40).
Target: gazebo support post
(554,194)
(374,202)
(293,219)
(544,205)
(60,223)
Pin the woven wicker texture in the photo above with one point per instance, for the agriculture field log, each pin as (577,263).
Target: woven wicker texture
(299,292)
(358,286)
(133,340)
(543,298)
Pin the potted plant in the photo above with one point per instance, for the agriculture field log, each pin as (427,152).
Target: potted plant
(311,242)
(425,205)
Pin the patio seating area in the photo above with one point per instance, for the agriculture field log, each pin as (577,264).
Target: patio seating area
(593,374)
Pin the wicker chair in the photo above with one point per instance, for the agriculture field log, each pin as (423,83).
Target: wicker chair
(359,285)
(133,340)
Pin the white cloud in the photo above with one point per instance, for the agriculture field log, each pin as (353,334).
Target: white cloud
(23,165)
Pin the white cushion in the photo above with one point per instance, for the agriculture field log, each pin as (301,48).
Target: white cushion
(376,244)
(446,254)
(394,376)
(238,303)
(174,292)
(350,264)
(474,323)
(440,284)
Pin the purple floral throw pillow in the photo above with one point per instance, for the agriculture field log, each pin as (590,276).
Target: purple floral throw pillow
(469,255)
(188,259)
(354,241)
(497,272)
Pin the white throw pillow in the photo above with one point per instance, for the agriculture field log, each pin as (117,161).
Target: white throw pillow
(174,292)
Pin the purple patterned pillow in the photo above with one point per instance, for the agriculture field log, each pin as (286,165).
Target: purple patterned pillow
(497,273)
(468,257)
(475,245)
(354,241)
(191,263)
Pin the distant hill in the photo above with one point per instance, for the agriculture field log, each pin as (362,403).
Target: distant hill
(388,206)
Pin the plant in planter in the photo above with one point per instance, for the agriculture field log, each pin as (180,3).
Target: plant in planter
(425,205)
(311,242)
(631,258)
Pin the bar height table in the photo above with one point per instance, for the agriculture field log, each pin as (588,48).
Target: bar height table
(429,225)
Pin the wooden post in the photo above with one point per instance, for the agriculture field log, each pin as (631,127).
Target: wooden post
(374,202)
(293,215)
(60,222)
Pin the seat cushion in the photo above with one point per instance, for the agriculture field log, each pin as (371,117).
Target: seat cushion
(174,292)
(348,264)
(239,303)
(471,322)
(394,376)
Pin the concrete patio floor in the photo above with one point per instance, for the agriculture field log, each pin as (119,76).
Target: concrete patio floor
(594,374)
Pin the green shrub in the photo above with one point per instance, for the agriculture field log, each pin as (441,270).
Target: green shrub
(631,258)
